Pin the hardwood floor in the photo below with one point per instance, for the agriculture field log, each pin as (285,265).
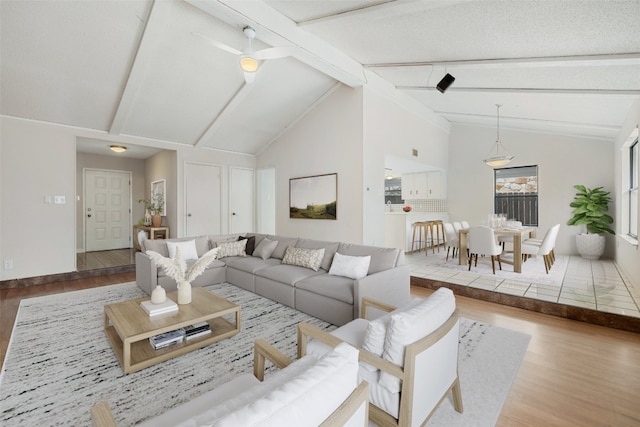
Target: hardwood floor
(574,373)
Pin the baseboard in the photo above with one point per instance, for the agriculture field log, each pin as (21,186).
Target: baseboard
(62,277)
(610,320)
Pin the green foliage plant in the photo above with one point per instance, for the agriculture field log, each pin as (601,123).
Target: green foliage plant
(589,209)
(155,203)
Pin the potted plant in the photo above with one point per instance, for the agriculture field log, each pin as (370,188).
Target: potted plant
(155,205)
(589,209)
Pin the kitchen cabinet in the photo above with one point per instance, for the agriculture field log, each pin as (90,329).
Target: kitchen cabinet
(423,185)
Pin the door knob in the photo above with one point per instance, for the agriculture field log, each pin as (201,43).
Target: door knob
(89,215)
(233,213)
(188,214)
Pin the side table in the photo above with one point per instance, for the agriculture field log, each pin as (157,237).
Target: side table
(152,233)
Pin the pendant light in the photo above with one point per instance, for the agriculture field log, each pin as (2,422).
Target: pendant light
(498,159)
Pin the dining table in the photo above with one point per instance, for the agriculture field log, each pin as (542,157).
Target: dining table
(519,234)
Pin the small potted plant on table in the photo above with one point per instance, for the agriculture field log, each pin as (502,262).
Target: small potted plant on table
(155,205)
(589,209)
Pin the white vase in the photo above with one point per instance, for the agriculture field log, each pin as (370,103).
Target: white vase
(158,296)
(590,246)
(184,292)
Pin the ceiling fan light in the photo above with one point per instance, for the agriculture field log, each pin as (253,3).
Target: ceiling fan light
(118,148)
(248,63)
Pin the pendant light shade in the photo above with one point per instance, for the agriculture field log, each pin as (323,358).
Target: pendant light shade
(498,156)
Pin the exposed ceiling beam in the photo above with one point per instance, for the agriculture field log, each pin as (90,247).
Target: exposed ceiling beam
(550,61)
(556,91)
(157,21)
(276,30)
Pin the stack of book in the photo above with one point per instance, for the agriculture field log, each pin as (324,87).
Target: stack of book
(197,330)
(152,309)
(167,339)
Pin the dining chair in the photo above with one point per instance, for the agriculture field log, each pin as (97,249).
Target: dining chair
(457,226)
(464,224)
(482,240)
(544,247)
(451,239)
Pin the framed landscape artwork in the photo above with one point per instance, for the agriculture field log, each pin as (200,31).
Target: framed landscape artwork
(314,197)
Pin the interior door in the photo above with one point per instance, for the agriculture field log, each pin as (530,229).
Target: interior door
(202,199)
(241,200)
(107,209)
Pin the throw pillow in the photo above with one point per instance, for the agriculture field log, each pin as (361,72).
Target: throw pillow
(251,244)
(232,248)
(353,267)
(187,249)
(412,325)
(265,248)
(309,258)
(376,332)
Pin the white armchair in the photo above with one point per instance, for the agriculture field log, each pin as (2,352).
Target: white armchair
(409,356)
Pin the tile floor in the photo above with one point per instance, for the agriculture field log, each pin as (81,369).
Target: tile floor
(597,285)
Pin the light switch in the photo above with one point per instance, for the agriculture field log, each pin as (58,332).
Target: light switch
(48,200)
(59,200)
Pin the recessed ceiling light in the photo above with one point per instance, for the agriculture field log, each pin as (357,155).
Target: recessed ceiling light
(118,148)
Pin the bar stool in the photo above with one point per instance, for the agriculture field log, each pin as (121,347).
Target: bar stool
(436,230)
(422,228)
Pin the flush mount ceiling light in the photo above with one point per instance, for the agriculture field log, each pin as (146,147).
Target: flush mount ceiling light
(118,148)
(500,159)
(387,173)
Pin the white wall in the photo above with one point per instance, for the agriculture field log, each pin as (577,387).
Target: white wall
(562,162)
(627,253)
(163,166)
(327,140)
(395,130)
(38,160)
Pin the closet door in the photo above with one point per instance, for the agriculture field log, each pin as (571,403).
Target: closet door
(241,200)
(202,199)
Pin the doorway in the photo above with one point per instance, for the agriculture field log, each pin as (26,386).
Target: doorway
(107,209)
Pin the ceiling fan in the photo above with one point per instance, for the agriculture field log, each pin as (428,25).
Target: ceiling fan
(250,59)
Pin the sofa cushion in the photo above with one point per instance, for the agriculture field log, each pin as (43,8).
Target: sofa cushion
(306,400)
(187,249)
(160,245)
(250,264)
(412,325)
(251,244)
(288,274)
(376,332)
(337,287)
(236,248)
(354,267)
(330,249)
(381,258)
(308,258)
(215,239)
(265,248)
(283,244)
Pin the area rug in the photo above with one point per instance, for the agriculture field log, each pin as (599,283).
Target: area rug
(436,266)
(59,362)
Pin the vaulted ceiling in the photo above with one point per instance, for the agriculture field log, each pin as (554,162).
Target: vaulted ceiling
(154,69)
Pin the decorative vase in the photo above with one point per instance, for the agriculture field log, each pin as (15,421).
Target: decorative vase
(184,292)
(158,296)
(590,245)
(156,220)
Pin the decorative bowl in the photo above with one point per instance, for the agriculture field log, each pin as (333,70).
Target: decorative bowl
(407,208)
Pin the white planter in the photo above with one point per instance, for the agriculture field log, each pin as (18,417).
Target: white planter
(590,246)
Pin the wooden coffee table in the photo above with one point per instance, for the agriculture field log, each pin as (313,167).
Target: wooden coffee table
(129,327)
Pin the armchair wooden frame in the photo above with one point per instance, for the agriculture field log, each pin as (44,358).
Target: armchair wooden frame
(405,373)
(262,351)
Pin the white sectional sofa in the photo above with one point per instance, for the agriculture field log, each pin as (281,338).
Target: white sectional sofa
(322,291)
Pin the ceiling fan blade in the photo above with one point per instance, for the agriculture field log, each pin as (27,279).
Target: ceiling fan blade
(219,45)
(249,77)
(275,52)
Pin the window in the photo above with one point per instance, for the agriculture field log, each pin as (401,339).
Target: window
(516,194)
(633,190)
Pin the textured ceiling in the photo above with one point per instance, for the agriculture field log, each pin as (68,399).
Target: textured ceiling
(145,69)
